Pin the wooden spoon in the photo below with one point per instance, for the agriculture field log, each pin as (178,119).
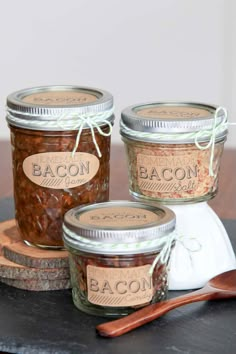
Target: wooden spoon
(220,287)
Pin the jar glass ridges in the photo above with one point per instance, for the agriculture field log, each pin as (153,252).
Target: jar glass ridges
(165,164)
(48,179)
(112,247)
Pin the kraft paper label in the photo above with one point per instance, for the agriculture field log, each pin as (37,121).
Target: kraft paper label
(119,217)
(167,174)
(60,170)
(118,287)
(60,98)
(173,112)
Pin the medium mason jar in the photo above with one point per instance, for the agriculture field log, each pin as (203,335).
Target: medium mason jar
(119,253)
(60,138)
(173,150)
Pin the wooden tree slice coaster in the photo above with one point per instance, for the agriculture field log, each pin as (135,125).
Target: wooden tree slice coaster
(38,285)
(34,257)
(30,268)
(12,270)
(15,250)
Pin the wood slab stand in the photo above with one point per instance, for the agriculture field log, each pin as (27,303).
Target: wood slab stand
(30,268)
(37,285)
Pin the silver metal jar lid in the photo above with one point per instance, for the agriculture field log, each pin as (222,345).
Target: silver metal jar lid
(170,119)
(57,107)
(118,227)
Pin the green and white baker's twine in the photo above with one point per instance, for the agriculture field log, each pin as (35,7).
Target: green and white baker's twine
(164,255)
(208,134)
(73,121)
(165,243)
(93,121)
(212,133)
(119,246)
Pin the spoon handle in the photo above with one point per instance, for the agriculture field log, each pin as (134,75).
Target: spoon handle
(149,313)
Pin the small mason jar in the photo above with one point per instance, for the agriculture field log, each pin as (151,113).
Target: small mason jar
(60,138)
(173,150)
(118,253)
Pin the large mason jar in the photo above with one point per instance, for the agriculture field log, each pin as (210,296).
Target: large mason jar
(60,138)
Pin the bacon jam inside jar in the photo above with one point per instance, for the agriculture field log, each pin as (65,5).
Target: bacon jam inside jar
(118,253)
(173,150)
(60,138)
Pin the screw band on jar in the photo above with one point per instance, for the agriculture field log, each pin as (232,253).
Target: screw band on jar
(170,148)
(122,248)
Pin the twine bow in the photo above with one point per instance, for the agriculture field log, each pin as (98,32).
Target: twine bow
(91,120)
(213,133)
(92,124)
(164,255)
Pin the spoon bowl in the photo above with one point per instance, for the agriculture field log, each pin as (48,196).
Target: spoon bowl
(221,286)
(224,281)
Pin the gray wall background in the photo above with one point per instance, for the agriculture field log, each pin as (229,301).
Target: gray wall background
(137,50)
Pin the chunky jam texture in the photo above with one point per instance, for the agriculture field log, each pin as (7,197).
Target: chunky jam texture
(172,172)
(39,209)
(130,288)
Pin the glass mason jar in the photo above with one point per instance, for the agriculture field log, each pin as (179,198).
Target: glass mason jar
(173,150)
(52,171)
(118,253)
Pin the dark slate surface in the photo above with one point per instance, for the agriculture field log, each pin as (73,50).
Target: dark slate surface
(48,322)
